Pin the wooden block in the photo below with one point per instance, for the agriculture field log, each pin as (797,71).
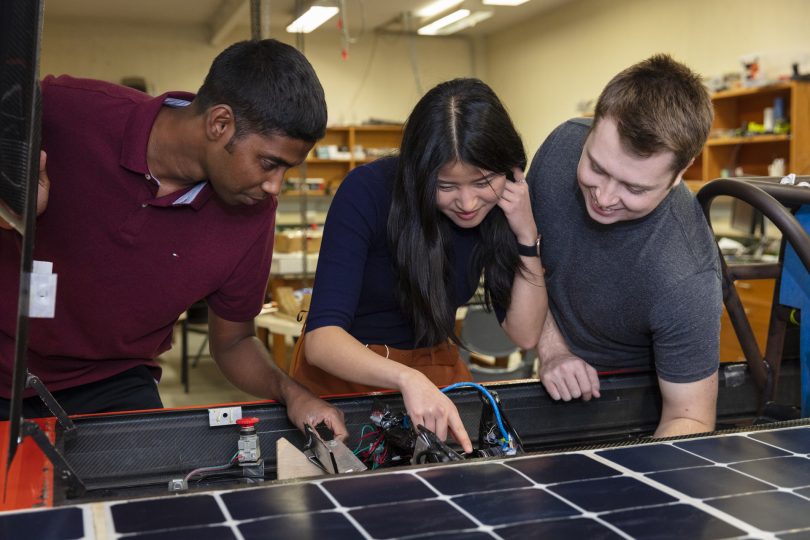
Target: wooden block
(292,463)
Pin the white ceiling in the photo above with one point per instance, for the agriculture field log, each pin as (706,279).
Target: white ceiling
(213,13)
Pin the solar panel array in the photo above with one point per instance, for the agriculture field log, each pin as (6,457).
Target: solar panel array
(737,485)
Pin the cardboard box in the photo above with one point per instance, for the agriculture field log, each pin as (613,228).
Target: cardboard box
(293,241)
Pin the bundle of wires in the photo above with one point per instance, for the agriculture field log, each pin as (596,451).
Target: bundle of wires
(506,440)
(204,471)
(371,449)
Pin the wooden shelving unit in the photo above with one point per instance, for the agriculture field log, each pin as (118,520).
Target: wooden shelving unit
(362,145)
(301,211)
(735,108)
(753,153)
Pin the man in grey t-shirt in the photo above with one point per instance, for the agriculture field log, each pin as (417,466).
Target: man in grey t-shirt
(632,269)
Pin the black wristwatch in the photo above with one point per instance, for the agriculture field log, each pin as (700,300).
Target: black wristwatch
(530,251)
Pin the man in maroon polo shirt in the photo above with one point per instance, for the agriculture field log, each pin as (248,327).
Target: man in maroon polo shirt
(149,204)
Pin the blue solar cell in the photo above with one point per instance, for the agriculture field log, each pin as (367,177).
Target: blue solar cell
(561,468)
(788,472)
(770,511)
(730,449)
(563,528)
(705,482)
(610,494)
(473,478)
(411,518)
(502,508)
(796,440)
(376,489)
(545,496)
(192,533)
(316,526)
(653,457)
(60,524)
(671,521)
(166,513)
(274,501)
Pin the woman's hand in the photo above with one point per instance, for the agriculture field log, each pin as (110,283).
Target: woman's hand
(428,406)
(516,205)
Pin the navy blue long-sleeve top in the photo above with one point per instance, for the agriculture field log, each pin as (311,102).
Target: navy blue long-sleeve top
(355,281)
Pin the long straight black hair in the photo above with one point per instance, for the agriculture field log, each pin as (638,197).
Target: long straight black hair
(460,120)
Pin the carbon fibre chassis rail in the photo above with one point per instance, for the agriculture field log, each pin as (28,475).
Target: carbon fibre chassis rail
(131,455)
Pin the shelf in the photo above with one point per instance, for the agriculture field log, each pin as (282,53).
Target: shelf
(742,92)
(754,153)
(747,139)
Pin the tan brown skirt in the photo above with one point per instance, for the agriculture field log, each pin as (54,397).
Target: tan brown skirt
(441,364)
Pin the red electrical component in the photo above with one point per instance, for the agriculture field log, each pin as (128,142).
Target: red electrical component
(249,421)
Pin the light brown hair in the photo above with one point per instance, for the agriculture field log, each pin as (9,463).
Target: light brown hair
(658,105)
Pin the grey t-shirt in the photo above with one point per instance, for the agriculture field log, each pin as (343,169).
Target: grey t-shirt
(640,293)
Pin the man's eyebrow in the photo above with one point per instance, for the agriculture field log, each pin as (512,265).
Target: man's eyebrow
(595,163)
(281,161)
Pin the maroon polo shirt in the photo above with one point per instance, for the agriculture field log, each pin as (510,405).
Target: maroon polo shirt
(128,263)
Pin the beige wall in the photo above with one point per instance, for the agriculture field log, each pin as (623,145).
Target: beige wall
(376,81)
(543,67)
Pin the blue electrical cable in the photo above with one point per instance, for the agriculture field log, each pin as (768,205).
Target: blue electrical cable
(491,400)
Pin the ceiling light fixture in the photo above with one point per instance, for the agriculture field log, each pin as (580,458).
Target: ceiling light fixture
(456,21)
(504,2)
(312,19)
(434,28)
(434,8)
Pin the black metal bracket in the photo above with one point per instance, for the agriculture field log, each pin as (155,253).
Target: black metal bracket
(68,427)
(75,486)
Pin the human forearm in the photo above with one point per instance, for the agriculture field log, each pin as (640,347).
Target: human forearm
(246,363)
(529,305)
(552,343)
(248,366)
(564,375)
(334,350)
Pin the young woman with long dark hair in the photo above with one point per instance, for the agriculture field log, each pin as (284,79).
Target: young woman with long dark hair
(406,242)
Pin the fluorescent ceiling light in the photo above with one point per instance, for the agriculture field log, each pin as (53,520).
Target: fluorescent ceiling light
(434,8)
(435,27)
(456,21)
(504,2)
(312,19)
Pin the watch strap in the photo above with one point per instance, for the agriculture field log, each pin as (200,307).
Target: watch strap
(530,251)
